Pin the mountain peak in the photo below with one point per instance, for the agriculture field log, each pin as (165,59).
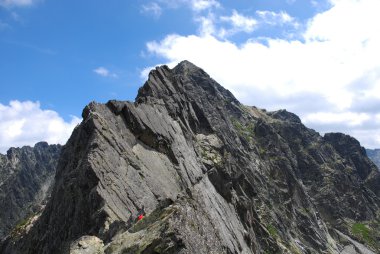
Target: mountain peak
(185,81)
(285,115)
(186,67)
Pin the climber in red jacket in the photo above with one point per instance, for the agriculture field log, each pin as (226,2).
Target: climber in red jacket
(140,217)
(141,214)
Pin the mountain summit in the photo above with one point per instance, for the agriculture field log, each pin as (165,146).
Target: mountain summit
(187,168)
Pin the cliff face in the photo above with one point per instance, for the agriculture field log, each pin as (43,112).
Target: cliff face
(374,155)
(211,175)
(26,177)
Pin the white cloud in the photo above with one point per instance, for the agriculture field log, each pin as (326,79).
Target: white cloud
(225,26)
(335,69)
(17,3)
(276,18)
(101,71)
(344,118)
(201,5)
(152,8)
(369,138)
(239,23)
(25,123)
(195,5)
(206,25)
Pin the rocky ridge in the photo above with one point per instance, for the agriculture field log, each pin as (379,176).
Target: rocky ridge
(374,155)
(26,177)
(213,176)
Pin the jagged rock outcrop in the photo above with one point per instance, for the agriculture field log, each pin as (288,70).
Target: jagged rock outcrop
(374,155)
(212,175)
(26,177)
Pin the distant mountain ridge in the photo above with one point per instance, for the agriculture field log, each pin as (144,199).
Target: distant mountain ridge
(374,155)
(209,175)
(26,177)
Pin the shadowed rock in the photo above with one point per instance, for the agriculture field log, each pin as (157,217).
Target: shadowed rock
(374,155)
(26,177)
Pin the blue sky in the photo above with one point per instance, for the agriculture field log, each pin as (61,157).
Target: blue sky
(319,59)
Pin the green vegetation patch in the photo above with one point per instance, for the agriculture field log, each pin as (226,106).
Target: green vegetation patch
(364,233)
(272,230)
(360,229)
(22,224)
(246,131)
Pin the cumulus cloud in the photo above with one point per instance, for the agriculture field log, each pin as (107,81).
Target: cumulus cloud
(25,123)
(201,5)
(195,5)
(239,23)
(225,26)
(152,8)
(276,18)
(206,24)
(345,118)
(336,63)
(101,71)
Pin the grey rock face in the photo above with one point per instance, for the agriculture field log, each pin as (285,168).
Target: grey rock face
(87,245)
(210,174)
(374,155)
(26,177)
